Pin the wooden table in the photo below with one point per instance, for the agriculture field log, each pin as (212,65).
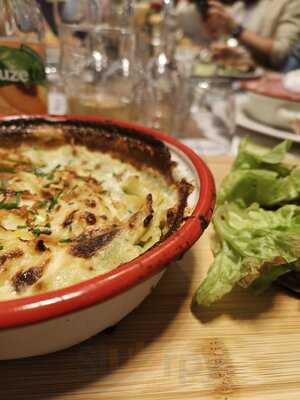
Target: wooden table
(242,348)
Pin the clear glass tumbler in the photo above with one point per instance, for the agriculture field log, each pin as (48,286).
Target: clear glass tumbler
(97,65)
(160,99)
(101,12)
(213,109)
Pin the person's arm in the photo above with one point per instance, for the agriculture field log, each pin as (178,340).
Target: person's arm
(256,42)
(225,23)
(287,33)
(277,48)
(286,36)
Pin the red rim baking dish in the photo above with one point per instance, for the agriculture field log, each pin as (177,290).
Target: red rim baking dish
(52,304)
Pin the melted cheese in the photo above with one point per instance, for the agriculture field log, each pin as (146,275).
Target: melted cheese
(68,214)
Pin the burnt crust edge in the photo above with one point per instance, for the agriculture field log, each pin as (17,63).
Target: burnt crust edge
(127,144)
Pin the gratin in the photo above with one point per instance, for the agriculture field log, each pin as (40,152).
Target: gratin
(76,202)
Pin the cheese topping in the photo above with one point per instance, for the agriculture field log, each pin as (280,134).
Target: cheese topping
(68,214)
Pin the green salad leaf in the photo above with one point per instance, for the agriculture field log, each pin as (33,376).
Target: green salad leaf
(260,176)
(254,156)
(256,222)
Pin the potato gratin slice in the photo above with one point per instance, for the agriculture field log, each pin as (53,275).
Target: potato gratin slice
(68,213)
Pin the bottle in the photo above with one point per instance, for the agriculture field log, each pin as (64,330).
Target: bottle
(22,55)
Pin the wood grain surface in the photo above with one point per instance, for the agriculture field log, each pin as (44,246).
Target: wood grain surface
(244,347)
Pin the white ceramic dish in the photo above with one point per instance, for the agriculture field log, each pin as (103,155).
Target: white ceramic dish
(65,331)
(243,120)
(275,112)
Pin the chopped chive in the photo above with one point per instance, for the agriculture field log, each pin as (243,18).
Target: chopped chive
(37,231)
(3,184)
(1,247)
(11,205)
(65,241)
(8,170)
(38,172)
(8,206)
(49,175)
(42,203)
(53,201)
(21,226)
(15,192)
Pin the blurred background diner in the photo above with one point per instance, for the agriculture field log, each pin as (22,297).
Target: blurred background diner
(206,71)
(268,29)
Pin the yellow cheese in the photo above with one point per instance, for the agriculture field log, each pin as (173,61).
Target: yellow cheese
(66,217)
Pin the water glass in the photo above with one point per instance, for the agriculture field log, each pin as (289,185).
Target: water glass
(213,109)
(160,96)
(155,25)
(97,65)
(104,12)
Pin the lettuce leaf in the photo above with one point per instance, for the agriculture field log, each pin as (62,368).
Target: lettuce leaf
(252,156)
(256,246)
(256,222)
(258,175)
(223,275)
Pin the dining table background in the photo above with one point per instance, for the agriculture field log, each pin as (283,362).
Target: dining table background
(195,132)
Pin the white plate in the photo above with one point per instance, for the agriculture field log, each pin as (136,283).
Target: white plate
(246,122)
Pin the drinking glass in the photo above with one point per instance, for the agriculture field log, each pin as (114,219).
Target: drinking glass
(155,25)
(160,97)
(104,12)
(213,109)
(98,71)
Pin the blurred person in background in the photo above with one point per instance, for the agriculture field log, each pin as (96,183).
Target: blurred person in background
(268,29)
(188,20)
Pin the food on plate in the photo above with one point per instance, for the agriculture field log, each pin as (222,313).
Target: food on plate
(256,223)
(225,61)
(78,201)
(202,69)
(235,58)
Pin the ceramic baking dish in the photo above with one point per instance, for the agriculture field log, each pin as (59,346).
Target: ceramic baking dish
(59,319)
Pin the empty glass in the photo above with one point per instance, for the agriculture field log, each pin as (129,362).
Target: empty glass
(97,67)
(160,97)
(155,25)
(111,13)
(213,109)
